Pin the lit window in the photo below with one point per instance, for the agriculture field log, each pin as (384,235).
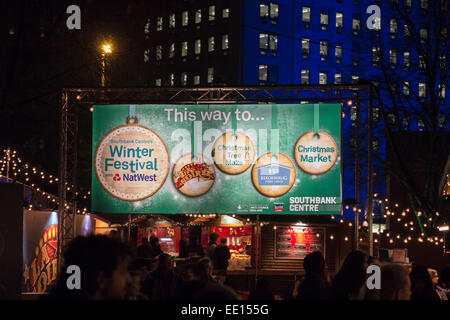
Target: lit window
(210,75)
(339,20)
(356,24)
(273,42)
(422,90)
(375,54)
(184,18)
(172,79)
(172,51)
(184,49)
(263,10)
(198,16)
(442,91)
(424,4)
(147,55)
(337,78)
(262,74)
(323,48)
(159,23)
(375,144)
(212,13)
(263,41)
(324,18)
(355,79)
(391,118)
(197,46)
(274,10)
(323,77)
(423,34)
(405,122)
(225,42)
(159,52)
(406,88)
(184,79)
(196,80)
(225,13)
(172,20)
(442,61)
(376,113)
(420,124)
(304,76)
(210,44)
(407,59)
(408,3)
(338,51)
(305,45)
(393,56)
(158,82)
(422,63)
(442,119)
(147,27)
(407,31)
(393,25)
(306,14)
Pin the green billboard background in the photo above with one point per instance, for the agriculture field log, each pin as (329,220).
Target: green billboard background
(229,193)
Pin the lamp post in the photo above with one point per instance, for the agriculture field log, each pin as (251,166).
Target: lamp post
(106,49)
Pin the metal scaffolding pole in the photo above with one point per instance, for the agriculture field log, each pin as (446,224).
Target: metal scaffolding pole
(357,178)
(62,176)
(258,235)
(370,173)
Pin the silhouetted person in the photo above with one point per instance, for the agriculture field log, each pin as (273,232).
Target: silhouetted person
(162,282)
(395,283)
(315,285)
(196,249)
(221,277)
(103,262)
(262,291)
(443,286)
(198,285)
(421,285)
(144,250)
(154,243)
(138,271)
(184,249)
(143,266)
(350,282)
(221,255)
(206,265)
(114,234)
(212,244)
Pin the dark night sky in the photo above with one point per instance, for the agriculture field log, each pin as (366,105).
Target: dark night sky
(39,56)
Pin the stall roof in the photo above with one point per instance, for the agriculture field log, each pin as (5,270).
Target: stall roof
(208,218)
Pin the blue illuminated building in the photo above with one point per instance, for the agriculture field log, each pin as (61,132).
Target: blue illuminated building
(292,42)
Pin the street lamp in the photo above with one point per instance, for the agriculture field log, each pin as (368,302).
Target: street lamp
(106,49)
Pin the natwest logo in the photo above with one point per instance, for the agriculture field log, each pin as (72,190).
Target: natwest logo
(116,177)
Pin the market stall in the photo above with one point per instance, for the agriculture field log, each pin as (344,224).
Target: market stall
(165,230)
(239,240)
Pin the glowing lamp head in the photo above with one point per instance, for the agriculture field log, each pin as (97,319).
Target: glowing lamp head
(107,48)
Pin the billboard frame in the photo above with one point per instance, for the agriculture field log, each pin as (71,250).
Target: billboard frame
(72,98)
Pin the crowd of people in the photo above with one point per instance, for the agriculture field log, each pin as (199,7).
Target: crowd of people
(111,270)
